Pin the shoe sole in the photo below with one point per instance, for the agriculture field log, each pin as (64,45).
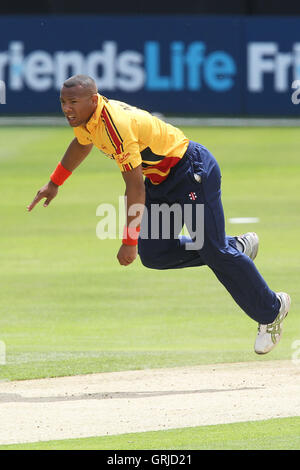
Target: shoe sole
(275,344)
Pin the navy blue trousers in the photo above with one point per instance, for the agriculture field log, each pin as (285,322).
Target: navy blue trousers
(234,270)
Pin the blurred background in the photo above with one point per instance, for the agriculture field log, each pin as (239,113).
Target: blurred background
(193,58)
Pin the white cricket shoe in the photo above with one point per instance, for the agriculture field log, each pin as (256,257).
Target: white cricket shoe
(249,242)
(269,335)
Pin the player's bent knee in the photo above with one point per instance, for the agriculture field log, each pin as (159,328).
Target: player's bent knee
(149,255)
(150,262)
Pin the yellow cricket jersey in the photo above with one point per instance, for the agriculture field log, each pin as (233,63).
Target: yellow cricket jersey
(132,137)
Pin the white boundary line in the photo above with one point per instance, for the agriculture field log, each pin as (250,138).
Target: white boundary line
(176,121)
(243,220)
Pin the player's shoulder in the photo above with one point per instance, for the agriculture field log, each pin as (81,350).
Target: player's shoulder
(121,105)
(125,110)
(124,116)
(115,111)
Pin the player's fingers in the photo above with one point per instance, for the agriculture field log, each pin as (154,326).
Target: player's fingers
(123,261)
(47,202)
(37,199)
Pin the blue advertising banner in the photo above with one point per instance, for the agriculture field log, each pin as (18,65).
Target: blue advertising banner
(273,65)
(182,64)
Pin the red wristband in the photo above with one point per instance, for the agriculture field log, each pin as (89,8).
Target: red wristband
(60,174)
(131,235)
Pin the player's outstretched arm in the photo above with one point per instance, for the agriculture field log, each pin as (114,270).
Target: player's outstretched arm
(135,194)
(74,155)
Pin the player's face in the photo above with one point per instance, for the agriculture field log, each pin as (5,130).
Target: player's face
(77,104)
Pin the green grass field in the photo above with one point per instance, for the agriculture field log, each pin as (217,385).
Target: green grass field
(273,434)
(68,307)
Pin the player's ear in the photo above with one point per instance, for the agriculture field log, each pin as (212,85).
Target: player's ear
(95,98)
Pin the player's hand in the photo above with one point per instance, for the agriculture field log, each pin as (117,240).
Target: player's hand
(127,254)
(49,191)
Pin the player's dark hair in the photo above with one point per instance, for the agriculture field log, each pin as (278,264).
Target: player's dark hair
(82,80)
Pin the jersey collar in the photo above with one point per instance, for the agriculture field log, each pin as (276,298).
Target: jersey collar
(94,119)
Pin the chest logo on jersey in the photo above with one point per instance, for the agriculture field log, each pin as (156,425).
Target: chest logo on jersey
(192,196)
